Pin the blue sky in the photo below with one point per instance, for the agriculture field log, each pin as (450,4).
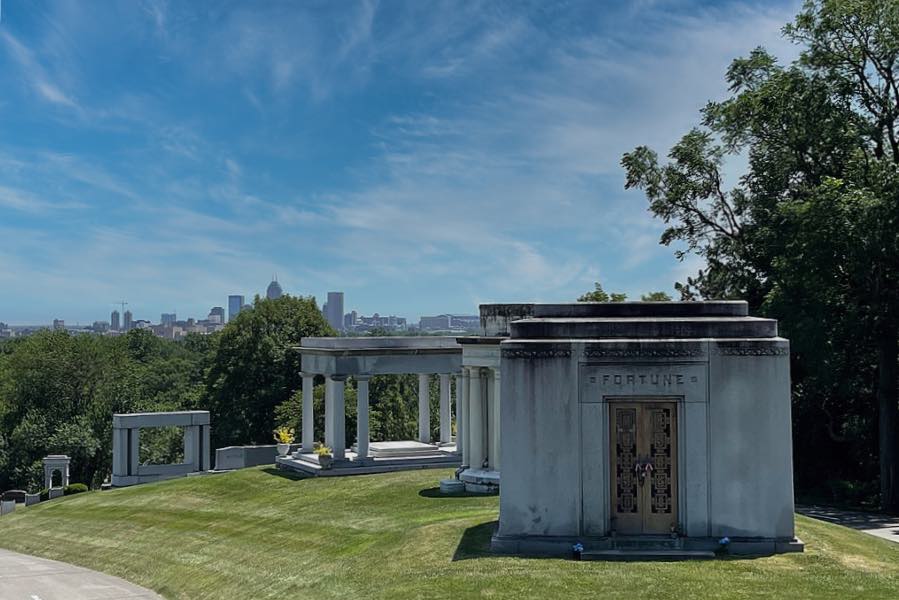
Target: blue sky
(423,157)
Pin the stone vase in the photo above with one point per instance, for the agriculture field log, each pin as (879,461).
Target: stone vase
(324,461)
(283,449)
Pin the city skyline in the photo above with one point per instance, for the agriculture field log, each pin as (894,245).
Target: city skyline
(116,318)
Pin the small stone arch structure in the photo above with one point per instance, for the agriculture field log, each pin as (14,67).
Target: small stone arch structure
(126,467)
(53,463)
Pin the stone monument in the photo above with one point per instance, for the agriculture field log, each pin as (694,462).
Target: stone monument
(645,428)
(52,464)
(126,467)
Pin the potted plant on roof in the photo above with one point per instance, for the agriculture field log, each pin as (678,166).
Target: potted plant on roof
(324,456)
(284,436)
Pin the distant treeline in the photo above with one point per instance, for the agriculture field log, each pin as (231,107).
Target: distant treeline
(58,391)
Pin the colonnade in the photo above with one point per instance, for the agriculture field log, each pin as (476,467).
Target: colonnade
(335,413)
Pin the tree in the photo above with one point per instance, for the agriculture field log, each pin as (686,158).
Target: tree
(810,233)
(58,393)
(600,295)
(256,368)
(656,297)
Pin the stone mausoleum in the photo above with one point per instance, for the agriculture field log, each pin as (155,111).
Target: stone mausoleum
(653,427)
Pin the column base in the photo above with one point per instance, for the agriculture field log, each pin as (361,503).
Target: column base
(480,481)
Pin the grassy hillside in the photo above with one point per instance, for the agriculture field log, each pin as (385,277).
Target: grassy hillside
(257,534)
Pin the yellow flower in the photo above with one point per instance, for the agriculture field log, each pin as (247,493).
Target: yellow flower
(284,435)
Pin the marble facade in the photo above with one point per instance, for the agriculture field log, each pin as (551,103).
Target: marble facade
(637,420)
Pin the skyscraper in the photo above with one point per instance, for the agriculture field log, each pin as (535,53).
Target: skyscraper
(217,312)
(334,310)
(128,324)
(274,290)
(235,304)
(168,318)
(114,320)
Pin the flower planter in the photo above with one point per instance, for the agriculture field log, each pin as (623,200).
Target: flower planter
(324,461)
(283,449)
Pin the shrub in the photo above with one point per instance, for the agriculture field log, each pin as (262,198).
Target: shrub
(45,494)
(75,488)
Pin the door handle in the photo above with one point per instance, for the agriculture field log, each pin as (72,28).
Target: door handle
(643,467)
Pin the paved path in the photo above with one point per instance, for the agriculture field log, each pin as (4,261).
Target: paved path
(30,578)
(883,526)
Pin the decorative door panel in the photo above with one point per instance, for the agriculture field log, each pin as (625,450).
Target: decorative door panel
(643,467)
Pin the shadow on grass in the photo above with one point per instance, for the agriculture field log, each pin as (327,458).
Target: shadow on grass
(293,476)
(434,492)
(475,542)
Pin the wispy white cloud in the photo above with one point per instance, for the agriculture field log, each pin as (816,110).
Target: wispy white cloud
(434,154)
(26,202)
(34,74)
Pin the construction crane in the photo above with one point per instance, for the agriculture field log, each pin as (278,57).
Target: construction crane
(122,304)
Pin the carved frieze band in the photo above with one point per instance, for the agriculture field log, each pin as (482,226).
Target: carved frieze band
(537,353)
(671,352)
(750,350)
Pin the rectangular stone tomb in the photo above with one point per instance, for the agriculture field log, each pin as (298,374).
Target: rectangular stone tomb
(402,449)
(639,428)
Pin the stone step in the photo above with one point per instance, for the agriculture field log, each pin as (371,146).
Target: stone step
(647,543)
(647,555)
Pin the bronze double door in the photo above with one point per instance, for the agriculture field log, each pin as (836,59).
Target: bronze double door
(643,466)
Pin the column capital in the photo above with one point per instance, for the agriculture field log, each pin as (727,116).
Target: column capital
(307,374)
(336,377)
(362,377)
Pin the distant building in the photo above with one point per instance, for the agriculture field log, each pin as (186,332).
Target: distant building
(128,323)
(438,323)
(333,310)
(217,315)
(450,323)
(246,307)
(349,320)
(365,324)
(168,319)
(274,290)
(59,324)
(466,322)
(235,305)
(100,326)
(114,320)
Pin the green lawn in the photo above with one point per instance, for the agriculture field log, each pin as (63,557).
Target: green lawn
(257,534)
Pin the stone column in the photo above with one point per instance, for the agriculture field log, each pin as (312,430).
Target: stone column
(134,456)
(191,446)
(329,409)
(308,438)
(335,417)
(119,452)
(362,434)
(477,452)
(424,410)
(445,415)
(462,445)
(206,448)
(496,430)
